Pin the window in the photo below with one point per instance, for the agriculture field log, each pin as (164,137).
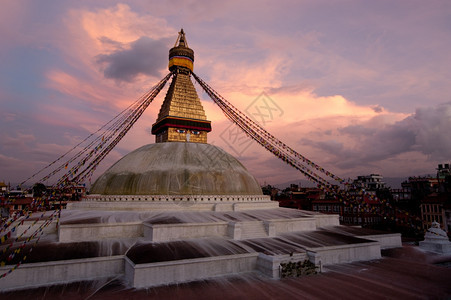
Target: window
(181,130)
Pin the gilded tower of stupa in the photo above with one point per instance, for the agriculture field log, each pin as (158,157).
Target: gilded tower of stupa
(182,117)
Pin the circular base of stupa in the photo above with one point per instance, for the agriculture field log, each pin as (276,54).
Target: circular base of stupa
(174,202)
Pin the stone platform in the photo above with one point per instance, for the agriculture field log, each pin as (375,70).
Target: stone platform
(402,273)
(151,248)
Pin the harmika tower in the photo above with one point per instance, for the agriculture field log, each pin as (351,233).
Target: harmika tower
(182,117)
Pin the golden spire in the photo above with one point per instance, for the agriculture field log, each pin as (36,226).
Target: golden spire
(182,117)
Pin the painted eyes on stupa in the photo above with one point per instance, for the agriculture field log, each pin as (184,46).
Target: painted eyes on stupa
(195,132)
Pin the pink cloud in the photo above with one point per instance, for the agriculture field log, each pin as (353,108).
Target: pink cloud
(79,88)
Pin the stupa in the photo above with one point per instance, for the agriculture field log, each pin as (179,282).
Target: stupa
(181,167)
(182,210)
(436,240)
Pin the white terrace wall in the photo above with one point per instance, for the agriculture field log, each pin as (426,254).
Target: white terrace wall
(59,272)
(171,232)
(330,255)
(93,232)
(154,274)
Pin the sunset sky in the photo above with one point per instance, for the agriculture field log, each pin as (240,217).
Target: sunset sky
(359,87)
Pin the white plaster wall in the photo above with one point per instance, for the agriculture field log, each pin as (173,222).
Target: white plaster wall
(223,207)
(234,230)
(170,206)
(93,232)
(57,272)
(323,220)
(292,225)
(178,198)
(442,247)
(264,205)
(269,265)
(139,206)
(180,202)
(348,253)
(165,232)
(154,274)
(392,240)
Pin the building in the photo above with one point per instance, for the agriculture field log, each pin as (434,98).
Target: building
(447,208)
(434,196)
(328,206)
(364,210)
(17,205)
(4,188)
(300,198)
(370,182)
(365,206)
(402,197)
(433,210)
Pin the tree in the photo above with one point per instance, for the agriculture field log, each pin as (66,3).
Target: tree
(39,189)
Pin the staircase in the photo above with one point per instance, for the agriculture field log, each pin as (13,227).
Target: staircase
(252,230)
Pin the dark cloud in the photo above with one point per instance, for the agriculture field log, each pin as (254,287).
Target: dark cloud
(377,108)
(144,56)
(290,89)
(433,127)
(107,41)
(426,131)
(357,130)
(331,146)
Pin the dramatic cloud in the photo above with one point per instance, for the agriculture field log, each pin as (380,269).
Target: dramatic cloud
(432,128)
(425,132)
(144,56)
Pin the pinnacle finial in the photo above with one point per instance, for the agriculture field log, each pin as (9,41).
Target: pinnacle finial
(181,40)
(181,55)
